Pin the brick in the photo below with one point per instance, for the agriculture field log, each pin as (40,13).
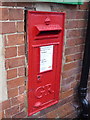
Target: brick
(75,33)
(67,74)
(22,106)
(20,26)
(10,52)
(67,94)
(70,109)
(63,7)
(25,4)
(17,100)
(11,73)
(8,27)
(71,14)
(72,65)
(52,114)
(84,6)
(43,116)
(72,115)
(0,3)
(67,80)
(11,111)
(76,24)
(75,41)
(22,114)
(70,80)
(74,57)
(13,92)
(1,115)
(15,62)
(21,50)
(6,104)
(81,15)
(16,14)
(0,107)
(67,100)
(74,84)
(15,83)
(76,14)
(62,114)
(62,111)
(65,110)
(14,39)
(21,71)
(3,13)
(9,4)
(74,50)
(21,89)
(78,76)
(66,87)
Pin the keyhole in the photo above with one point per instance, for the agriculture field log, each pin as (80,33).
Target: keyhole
(39,78)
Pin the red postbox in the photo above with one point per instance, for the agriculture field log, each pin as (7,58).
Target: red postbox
(45,43)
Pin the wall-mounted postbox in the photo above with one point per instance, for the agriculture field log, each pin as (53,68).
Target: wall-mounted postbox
(45,42)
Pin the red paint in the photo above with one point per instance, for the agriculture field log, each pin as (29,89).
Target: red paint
(44,29)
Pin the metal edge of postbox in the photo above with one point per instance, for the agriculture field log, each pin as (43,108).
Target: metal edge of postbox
(29,55)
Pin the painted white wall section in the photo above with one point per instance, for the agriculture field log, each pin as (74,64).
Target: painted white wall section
(3,85)
(42,7)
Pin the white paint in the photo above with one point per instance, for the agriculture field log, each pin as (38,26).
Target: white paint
(46,58)
(43,7)
(3,85)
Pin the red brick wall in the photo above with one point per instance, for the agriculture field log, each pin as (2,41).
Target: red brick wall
(15,59)
(13,34)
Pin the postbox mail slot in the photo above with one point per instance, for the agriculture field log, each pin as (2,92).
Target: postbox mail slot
(47,29)
(42,31)
(49,32)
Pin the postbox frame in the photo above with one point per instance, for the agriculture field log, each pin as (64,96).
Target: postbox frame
(59,63)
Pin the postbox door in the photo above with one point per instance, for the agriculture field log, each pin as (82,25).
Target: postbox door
(44,87)
(44,64)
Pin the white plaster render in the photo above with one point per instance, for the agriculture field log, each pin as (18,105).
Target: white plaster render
(3,85)
(42,7)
